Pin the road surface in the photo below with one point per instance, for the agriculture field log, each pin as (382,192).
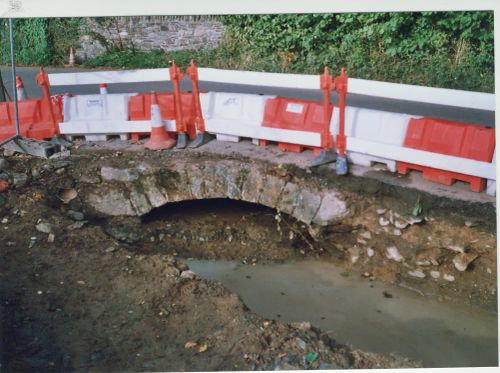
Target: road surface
(483,117)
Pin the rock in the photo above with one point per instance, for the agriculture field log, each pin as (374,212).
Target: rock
(119,174)
(354,253)
(396,232)
(188,275)
(381,211)
(435,274)
(4,186)
(392,253)
(457,249)
(110,249)
(75,215)
(19,180)
(302,325)
(301,343)
(361,241)
(77,225)
(51,238)
(370,252)
(401,224)
(366,235)
(462,260)
(8,153)
(448,277)
(44,227)
(383,221)
(468,223)
(417,273)
(4,164)
(67,195)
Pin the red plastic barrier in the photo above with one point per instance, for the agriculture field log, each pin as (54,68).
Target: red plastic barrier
(294,114)
(34,118)
(451,138)
(140,108)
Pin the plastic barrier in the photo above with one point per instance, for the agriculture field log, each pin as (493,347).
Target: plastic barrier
(35,120)
(377,127)
(95,116)
(295,115)
(140,110)
(491,185)
(451,138)
(241,115)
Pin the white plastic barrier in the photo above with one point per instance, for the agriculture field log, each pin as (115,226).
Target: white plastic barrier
(114,76)
(491,185)
(90,115)
(235,115)
(374,126)
(98,116)
(407,92)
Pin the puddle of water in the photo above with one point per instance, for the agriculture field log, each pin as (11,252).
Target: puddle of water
(355,313)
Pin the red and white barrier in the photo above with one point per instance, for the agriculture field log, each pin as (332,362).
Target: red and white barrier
(371,135)
(491,185)
(376,127)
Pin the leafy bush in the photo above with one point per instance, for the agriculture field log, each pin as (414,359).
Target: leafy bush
(449,49)
(39,41)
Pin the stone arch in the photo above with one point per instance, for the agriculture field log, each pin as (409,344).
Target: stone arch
(136,191)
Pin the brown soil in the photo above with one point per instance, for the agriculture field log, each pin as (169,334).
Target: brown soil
(109,296)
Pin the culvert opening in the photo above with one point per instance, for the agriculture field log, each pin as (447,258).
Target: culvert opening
(216,228)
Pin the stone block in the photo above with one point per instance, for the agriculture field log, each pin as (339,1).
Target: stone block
(119,174)
(253,186)
(332,209)
(271,191)
(288,198)
(307,206)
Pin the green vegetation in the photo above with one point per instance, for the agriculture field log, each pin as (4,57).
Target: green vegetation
(39,41)
(444,49)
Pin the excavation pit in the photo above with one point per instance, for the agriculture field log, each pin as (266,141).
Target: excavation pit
(113,291)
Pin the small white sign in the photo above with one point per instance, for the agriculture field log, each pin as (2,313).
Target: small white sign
(294,108)
(94,103)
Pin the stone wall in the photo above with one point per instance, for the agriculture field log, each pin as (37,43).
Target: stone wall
(169,33)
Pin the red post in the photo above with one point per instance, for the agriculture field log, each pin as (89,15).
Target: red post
(192,72)
(326,84)
(340,84)
(43,81)
(176,76)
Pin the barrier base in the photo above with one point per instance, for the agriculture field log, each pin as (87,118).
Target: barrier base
(477,184)
(324,157)
(182,139)
(201,139)
(341,167)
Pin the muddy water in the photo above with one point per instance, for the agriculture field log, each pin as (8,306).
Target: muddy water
(355,311)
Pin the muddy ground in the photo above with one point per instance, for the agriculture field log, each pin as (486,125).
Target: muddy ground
(115,294)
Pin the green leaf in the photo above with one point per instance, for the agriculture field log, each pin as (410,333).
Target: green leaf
(311,357)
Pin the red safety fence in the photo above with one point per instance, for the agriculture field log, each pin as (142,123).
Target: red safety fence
(451,138)
(140,108)
(295,114)
(35,118)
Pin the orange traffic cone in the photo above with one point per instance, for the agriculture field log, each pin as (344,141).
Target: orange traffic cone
(103,88)
(159,139)
(21,93)
(72,56)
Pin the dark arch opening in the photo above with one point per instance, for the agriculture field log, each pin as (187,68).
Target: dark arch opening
(219,228)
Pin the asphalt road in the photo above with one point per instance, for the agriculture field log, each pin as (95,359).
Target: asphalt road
(483,117)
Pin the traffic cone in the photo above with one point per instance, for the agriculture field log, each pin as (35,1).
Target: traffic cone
(72,57)
(159,137)
(21,93)
(103,88)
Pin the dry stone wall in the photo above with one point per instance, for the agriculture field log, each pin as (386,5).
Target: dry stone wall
(169,33)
